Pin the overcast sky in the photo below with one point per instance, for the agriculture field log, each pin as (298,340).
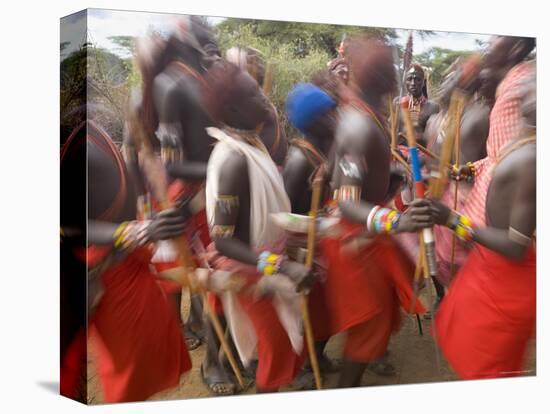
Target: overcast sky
(105,23)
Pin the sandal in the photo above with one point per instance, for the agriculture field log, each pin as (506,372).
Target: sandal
(217,385)
(192,339)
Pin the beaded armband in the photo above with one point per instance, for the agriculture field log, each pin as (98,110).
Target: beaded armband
(382,220)
(461,225)
(269,263)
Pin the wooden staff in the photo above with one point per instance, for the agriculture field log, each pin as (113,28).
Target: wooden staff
(311,234)
(393,125)
(432,155)
(185,259)
(393,132)
(439,182)
(428,239)
(399,158)
(268,79)
(458,117)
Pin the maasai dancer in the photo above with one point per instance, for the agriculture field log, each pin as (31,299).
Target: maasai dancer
(312,111)
(244,236)
(175,86)
(133,327)
(170,109)
(420,107)
(473,132)
(367,277)
(272,134)
(488,316)
(502,62)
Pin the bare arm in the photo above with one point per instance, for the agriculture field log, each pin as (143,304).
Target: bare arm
(513,242)
(295,175)
(227,212)
(172,99)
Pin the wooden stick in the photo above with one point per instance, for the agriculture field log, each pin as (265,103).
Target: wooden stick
(185,257)
(268,78)
(418,270)
(439,183)
(399,158)
(458,116)
(428,238)
(315,199)
(220,334)
(393,125)
(432,154)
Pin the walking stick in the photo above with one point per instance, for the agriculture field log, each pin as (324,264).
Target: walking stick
(312,230)
(393,133)
(428,239)
(458,116)
(184,255)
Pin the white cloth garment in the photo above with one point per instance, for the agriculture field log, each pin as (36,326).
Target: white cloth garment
(267,196)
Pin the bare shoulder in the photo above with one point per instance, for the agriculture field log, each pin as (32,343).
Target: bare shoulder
(235,161)
(357,132)
(233,171)
(521,163)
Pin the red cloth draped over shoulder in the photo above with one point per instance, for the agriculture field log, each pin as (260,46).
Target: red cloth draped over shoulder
(136,334)
(364,283)
(488,315)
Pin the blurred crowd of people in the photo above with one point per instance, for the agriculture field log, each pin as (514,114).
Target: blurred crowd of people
(285,241)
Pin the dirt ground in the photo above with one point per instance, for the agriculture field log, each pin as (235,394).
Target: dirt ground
(414,357)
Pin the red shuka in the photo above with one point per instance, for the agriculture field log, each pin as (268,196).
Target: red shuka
(488,315)
(136,334)
(278,364)
(363,291)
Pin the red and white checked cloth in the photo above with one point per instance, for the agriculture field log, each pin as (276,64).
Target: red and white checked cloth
(505,125)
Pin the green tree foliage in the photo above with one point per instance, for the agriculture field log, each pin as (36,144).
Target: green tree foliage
(301,37)
(294,50)
(109,87)
(73,71)
(126,45)
(439,60)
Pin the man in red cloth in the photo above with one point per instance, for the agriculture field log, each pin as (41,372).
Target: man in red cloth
(488,316)
(368,277)
(244,187)
(134,330)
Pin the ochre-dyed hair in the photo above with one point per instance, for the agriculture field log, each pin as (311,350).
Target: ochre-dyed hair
(470,70)
(327,81)
(222,88)
(371,65)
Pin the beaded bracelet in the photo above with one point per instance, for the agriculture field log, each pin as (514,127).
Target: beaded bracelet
(118,235)
(461,225)
(131,234)
(269,263)
(382,220)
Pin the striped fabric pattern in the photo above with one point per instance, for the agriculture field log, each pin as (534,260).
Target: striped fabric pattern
(505,125)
